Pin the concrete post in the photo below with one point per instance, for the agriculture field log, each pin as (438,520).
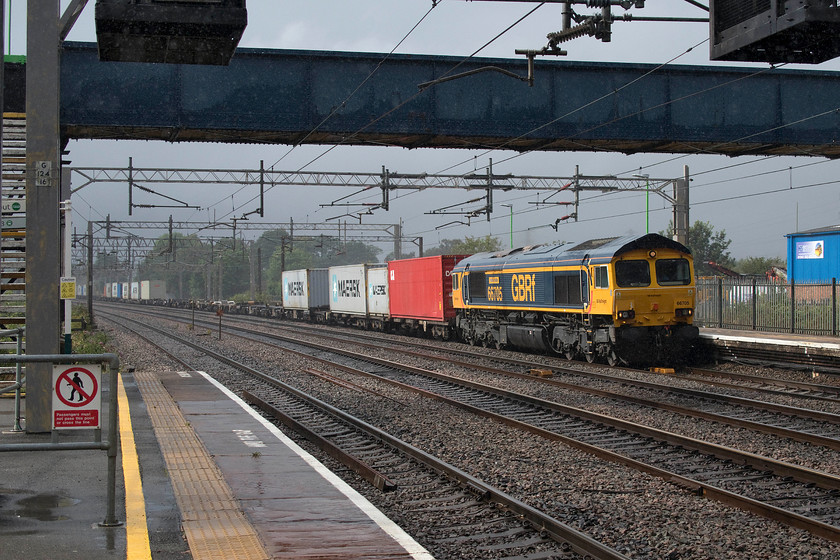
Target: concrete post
(42,200)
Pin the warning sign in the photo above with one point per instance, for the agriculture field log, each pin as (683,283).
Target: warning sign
(76,398)
(68,287)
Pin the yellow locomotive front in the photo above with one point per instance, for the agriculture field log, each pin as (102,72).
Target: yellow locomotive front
(652,302)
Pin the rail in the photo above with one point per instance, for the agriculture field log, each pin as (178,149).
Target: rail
(112,443)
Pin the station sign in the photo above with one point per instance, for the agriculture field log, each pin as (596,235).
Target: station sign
(14,205)
(76,397)
(13,222)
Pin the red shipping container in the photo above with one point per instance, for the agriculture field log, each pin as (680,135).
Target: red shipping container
(421,288)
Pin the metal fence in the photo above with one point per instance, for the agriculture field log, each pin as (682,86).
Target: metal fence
(762,305)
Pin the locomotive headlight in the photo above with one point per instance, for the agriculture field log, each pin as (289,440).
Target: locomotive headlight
(652,254)
(684,312)
(628,314)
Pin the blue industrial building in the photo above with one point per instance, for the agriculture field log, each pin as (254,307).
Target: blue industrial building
(814,255)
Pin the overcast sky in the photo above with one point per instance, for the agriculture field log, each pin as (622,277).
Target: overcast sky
(781,199)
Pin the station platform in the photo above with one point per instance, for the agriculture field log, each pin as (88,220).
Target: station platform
(200,475)
(817,353)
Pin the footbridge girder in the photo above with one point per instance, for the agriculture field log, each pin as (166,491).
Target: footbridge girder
(310,97)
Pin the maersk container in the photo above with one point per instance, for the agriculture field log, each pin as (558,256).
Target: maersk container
(306,289)
(348,289)
(153,289)
(421,288)
(377,291)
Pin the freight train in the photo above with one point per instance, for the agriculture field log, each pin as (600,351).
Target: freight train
(617,300)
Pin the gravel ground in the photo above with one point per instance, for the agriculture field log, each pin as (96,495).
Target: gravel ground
(641,516)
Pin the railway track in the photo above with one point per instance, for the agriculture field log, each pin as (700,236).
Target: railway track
(795,423)
(778,358)
(817,391)
(760,384)
(464,511)
(796,496)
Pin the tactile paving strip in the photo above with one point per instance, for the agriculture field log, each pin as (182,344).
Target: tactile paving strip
(214,525)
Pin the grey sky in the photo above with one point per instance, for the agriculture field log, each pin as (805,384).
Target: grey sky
(756,223)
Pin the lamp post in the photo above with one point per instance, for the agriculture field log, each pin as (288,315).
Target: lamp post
(511,222)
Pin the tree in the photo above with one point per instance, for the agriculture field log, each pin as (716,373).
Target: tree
(180,263)
(706,246)
(310,252)
(467,246)
(758,266)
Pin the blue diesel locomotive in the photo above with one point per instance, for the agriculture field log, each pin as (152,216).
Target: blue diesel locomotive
(617,299)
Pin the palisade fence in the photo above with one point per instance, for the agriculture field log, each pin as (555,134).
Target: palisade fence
(763,305)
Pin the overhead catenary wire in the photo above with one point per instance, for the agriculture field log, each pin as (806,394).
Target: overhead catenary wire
(344,102)
(501,161)
(408,100)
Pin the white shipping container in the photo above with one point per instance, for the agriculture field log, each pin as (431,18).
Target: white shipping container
(306,289)
(108,289)
(124,287)
(377,290)
(348,289)
(153,289)
(135,290)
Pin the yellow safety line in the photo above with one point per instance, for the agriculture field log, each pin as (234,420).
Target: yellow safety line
(136,530)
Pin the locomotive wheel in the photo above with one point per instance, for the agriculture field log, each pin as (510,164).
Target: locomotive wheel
(590,357)
(570,353)
(612,359)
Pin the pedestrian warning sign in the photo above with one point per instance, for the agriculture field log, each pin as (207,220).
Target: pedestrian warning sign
(76,397)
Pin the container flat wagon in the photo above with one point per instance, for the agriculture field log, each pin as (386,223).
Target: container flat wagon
(420,292)
(350,299)
(306,293)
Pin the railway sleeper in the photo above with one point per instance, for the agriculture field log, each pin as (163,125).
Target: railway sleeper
(506,534)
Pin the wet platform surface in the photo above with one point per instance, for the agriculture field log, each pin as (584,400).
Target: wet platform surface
(218,481)
(299,509)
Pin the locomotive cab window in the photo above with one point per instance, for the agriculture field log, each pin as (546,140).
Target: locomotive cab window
(478,285)
(673,272)
(632,274)
(602,278)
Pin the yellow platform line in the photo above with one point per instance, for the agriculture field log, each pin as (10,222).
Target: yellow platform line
(136,529)
(214,524)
